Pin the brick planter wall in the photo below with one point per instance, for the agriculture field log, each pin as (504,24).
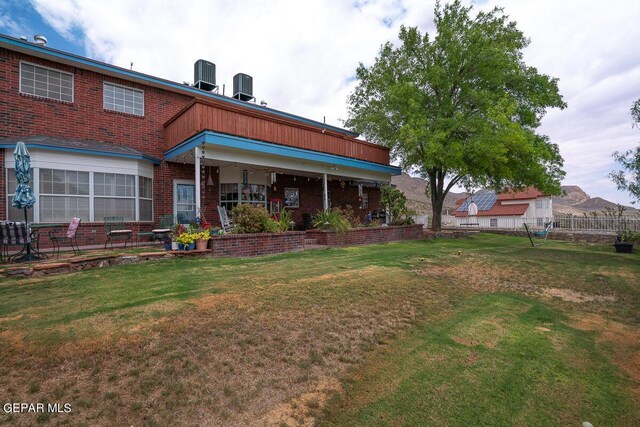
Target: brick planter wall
(250,245)
(365,236)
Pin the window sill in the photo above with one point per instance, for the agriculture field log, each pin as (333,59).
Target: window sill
(44,98)
(119,113)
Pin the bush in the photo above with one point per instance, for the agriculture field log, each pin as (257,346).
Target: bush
(348,214)
(331,220)
(252,219)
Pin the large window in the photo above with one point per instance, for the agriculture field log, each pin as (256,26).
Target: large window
(232,194)
(542,203)
(46,82)
(115,195)
(123,99)
(63,195)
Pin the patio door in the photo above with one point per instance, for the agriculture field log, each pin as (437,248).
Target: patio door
(184,201)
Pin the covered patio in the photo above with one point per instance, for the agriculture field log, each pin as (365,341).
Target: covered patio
(301,167)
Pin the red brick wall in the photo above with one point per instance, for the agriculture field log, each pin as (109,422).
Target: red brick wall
(365,236)
(250,245)
(85,118)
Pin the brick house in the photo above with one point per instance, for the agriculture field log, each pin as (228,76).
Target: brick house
(107,141)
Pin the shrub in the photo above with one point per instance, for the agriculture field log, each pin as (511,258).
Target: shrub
(348,214)
(285,221)
(251,219)
(331,220)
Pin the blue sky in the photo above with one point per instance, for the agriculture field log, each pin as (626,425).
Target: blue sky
(302,55)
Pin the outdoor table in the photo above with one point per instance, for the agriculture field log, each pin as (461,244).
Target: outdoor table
(35,235)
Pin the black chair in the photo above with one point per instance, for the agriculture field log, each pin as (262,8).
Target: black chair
(70,237)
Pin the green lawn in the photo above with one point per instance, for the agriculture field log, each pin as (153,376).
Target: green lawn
(476,331)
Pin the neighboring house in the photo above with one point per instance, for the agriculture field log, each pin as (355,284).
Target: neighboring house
(506,210)
(108,141)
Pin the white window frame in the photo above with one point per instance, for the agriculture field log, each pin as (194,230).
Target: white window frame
(35,177)
(493,221)
(239,188)
(139,197)
(125,88)
(134,197)
(49,69)
(39,194)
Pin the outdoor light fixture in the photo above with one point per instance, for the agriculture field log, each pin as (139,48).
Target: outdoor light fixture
(342,184)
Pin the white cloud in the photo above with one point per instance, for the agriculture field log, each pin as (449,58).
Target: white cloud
(302,55)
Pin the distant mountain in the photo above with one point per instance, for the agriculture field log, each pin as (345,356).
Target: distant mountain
(415,191)
(571,195)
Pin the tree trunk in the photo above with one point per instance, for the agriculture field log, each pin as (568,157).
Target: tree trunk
(436,224)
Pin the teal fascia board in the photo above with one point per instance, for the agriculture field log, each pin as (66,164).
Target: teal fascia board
(228,141)
(128,74)
(90,152)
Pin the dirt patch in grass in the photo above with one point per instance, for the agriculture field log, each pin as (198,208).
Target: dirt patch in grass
(623,340)
(579,297)
(304,409)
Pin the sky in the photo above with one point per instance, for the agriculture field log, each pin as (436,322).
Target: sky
(302,55)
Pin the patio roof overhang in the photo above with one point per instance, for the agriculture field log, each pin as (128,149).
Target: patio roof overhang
(228,148)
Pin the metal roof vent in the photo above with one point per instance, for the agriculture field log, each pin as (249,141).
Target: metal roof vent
(204,75)
(243,87)
(40,39)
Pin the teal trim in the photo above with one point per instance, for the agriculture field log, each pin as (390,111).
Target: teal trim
(128,74)
(91,152)
(221,140)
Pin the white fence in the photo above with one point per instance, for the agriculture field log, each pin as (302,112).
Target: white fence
(601,224)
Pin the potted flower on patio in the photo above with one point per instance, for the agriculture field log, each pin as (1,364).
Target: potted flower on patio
(625,240)
(185,241)
(202,239)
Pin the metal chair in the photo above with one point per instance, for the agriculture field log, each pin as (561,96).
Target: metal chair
(164,228)
(70,236)
(115,229)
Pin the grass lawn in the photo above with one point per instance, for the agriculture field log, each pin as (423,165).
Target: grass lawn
(476,331)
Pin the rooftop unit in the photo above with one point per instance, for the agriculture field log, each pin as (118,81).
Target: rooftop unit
(204,75)
(243,87)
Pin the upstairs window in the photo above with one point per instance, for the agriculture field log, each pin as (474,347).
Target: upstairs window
(123,99)
(46,82)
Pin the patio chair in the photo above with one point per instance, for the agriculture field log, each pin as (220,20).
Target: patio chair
(225,222)
(13,234)
(115,229)
(164,228)
(69,236)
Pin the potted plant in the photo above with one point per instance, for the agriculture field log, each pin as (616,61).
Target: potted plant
(178,230)
(202,239)
(185,240)
(625,240)
(168,244)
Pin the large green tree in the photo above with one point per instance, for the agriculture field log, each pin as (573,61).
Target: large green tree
(628,178)
(461,107)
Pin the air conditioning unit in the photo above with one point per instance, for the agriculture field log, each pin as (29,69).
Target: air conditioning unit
(204,75)
(243,87)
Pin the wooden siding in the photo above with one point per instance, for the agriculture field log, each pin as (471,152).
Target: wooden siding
(202,115)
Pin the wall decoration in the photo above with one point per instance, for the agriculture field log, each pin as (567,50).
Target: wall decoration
(291,197)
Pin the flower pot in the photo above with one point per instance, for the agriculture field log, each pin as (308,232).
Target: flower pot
(181,246)
(202,244)
(174,246)
(167,246)
(623,247)
(191,246)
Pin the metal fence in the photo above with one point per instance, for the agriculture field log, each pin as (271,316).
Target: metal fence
(599,224)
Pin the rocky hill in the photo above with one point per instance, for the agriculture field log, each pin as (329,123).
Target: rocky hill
(573,201)
(415,190)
